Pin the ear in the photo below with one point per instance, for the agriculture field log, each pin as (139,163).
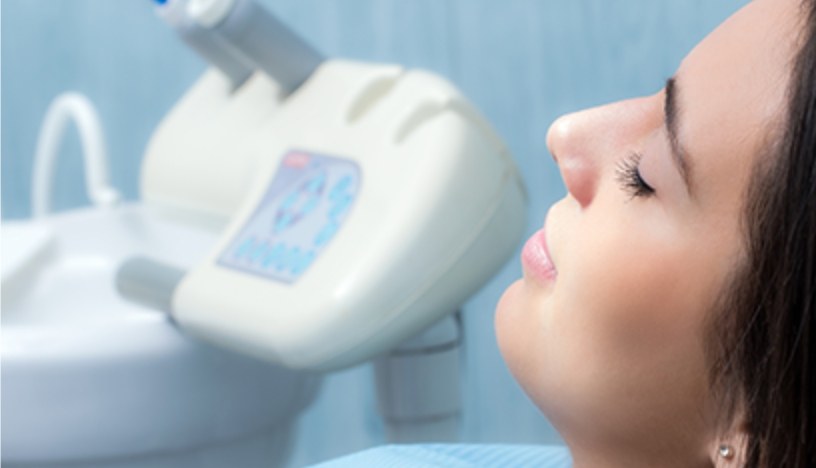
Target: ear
(728,450)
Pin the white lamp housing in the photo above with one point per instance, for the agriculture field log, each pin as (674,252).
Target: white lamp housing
(357,212)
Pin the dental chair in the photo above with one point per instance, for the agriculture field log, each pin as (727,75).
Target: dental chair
(298,215)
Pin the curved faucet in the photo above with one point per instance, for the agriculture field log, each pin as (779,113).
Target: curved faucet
(66,107)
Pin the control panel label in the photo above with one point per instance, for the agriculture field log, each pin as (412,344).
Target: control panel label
(303,209)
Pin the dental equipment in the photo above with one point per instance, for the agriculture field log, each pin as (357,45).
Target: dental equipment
(378,202)
(260,37)
(91,380)
(66,108)
(212,48)
(358,209)
(240,36)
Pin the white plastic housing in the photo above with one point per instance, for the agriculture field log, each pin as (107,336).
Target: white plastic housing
(439,209)
(91,380)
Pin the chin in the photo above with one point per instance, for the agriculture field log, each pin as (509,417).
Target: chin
(510,324)
(518,326)
(507,310)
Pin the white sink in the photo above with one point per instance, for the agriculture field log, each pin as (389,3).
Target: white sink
(92,380)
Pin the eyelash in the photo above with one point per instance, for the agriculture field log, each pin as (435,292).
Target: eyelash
(629,178)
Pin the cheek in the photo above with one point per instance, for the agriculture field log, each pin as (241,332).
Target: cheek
(630,298)
(633,280)
(618,338)
(626,327)
(637,305)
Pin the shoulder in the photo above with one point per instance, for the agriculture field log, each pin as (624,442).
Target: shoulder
(457,456)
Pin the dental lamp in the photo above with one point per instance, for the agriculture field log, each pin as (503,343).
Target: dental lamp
(360,204)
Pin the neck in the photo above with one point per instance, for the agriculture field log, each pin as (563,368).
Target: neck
(615,452)
(617,459)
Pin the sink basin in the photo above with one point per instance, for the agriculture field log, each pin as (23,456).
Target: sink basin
(92,380)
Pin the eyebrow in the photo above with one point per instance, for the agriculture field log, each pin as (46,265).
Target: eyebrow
(671,109)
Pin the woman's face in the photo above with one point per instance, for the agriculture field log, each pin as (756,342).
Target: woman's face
(605,330)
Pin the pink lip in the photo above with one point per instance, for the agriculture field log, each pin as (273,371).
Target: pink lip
(536,258)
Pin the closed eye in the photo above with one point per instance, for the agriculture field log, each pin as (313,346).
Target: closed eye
(629,178)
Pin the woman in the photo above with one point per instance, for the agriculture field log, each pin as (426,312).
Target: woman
(667,314)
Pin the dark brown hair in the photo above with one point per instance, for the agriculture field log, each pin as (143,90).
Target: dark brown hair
(763,339)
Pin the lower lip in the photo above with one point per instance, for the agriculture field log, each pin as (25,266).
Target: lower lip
(536,258)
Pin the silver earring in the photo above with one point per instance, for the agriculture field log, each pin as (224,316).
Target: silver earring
(726,451)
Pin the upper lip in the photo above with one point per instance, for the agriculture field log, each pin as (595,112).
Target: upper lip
(546,235)
(536,255)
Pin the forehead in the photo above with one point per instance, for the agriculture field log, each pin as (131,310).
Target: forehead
(733,89)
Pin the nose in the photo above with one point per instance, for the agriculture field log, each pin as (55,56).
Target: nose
(568,140)
(585,144)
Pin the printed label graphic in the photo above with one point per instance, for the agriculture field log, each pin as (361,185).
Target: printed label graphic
(301,212)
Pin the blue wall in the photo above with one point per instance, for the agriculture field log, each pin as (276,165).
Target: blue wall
(523,63)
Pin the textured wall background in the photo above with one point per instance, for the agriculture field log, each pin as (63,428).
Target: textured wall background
(523,63)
